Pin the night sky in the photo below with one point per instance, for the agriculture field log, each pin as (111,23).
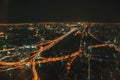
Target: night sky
(63,10)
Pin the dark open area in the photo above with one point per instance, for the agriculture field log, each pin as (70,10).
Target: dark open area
(13,11)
